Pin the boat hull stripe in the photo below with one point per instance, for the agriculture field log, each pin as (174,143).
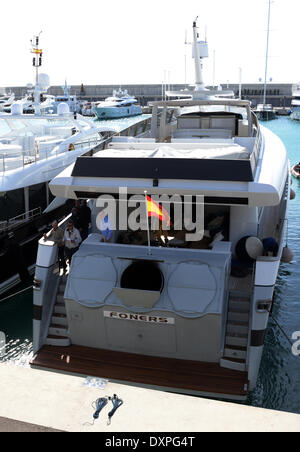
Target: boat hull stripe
(37,312)
(257,338)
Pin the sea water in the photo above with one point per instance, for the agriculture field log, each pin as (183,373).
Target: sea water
(278,384)
(279,378)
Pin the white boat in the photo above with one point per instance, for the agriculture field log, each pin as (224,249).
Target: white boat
(25,103)
(71,100)
(33,149)
(265,112)
(295,104)
(6,100)
(87,108)
(119,105)
(182,306)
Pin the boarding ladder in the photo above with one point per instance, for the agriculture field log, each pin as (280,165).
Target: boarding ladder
(58,329)
(237,331)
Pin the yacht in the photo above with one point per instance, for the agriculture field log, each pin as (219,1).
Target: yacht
(265,112)
(173,287)
(119,105)
(88,108)
(295,105)
(71,100)
(6,100)
(25,103)
(33,149)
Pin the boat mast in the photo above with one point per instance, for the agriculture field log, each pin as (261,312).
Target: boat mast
(37,59)
(198,64)
(267,53)
(37,63)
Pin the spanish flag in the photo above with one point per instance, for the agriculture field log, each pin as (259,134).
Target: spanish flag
(156,210)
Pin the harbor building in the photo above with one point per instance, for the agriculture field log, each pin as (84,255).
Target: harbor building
(278,94)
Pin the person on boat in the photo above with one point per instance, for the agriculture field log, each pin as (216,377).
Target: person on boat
(57,236)
(72,240)
(77,205)
(84,219)
(105,229)
(76,218)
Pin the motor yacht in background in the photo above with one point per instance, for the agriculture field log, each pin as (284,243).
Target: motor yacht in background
(119,105)
(26,104)
(171,307)
(75,106)
(6,100)
(295,105)
(265,112)
(88,108)
(33,149)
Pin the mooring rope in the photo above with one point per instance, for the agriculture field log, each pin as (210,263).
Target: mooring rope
(281,329)
(16,293)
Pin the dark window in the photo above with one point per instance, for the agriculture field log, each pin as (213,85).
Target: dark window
(12,204)
(37,196)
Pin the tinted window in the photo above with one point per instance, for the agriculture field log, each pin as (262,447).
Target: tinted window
(12,204)
(37,197)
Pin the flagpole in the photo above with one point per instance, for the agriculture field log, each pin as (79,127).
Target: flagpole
(148,231)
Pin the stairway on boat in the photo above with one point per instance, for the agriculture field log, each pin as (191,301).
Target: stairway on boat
(58,329)
(237,331)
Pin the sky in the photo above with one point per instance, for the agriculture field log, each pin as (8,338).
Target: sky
(140,42)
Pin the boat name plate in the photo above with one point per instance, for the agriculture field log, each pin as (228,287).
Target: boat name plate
(139,317)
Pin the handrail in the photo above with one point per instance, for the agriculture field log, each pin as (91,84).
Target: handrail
(257,145)
(22,218)
(25,158)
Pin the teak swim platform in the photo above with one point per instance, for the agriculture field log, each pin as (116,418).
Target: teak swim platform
(144,370)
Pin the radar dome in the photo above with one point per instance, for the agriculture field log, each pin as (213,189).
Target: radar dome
(44,81)
(16,109)
(63,109)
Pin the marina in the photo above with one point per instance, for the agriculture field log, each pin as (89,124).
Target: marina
(149,254)
(202,300)
(280,392)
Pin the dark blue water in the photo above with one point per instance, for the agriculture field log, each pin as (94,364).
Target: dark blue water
(279,379)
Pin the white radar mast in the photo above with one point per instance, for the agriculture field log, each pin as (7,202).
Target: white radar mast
(41,80)
(198,90)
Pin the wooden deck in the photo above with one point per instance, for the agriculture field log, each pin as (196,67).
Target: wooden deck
(140,369)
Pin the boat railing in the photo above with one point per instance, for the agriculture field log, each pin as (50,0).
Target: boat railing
(19,159)
(22,218)
(257,145)
(22,158)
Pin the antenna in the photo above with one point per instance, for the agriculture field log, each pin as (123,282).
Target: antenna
(198,57)
(214,68)
(240,83)
(38,53)
(185,57)
(37,63)
(267,53)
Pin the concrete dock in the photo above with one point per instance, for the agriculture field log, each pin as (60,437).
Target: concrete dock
(41,401)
